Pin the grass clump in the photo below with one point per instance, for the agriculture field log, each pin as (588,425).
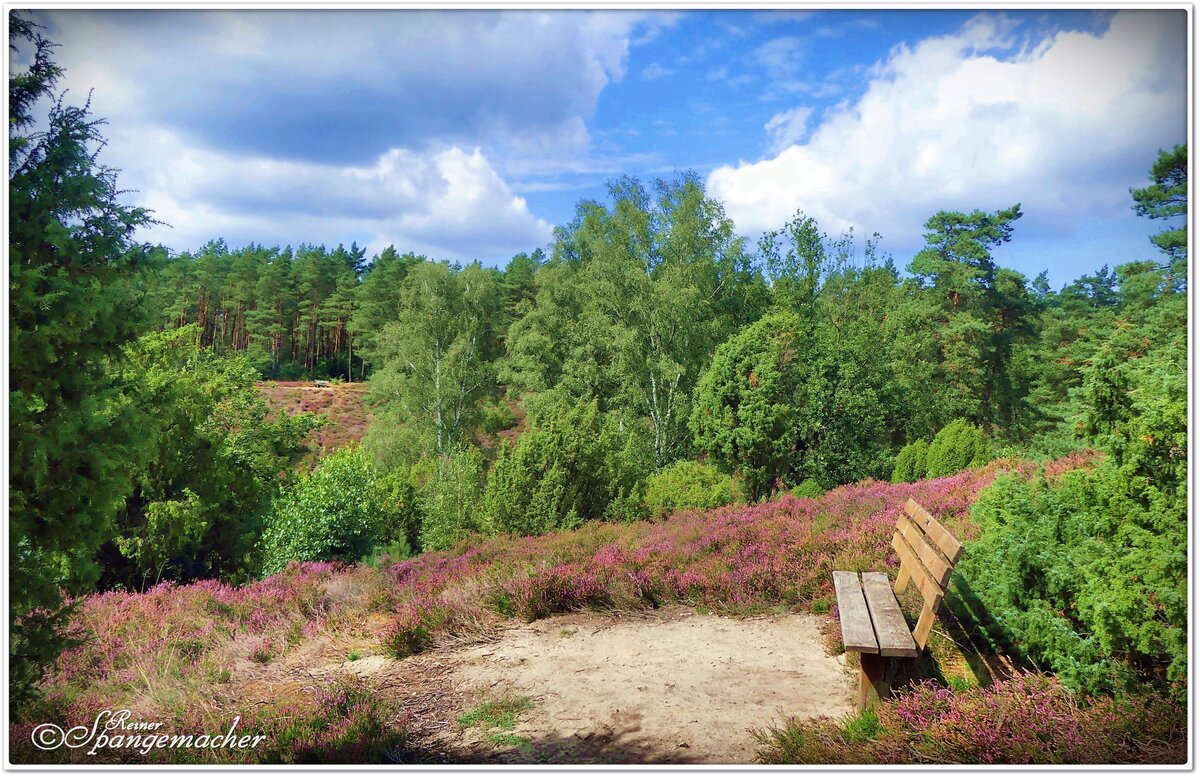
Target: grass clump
(497,718)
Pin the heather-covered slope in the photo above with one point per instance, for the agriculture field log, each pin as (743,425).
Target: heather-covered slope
(343,404)
(200,654)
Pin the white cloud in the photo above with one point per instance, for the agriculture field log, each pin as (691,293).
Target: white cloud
(782,56)
(351,84)
(655,71)
(448,203)
(407,126)
(787,127)
(782,17)
(1064,128)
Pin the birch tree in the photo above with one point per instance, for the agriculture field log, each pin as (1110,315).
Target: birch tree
(637,295)
(436,357)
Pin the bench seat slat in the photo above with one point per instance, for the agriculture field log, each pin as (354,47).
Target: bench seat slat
(857,633)
(891,629)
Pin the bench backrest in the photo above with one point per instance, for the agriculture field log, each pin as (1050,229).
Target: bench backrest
(928,553)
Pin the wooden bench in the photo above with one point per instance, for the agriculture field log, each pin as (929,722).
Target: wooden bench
(872,623)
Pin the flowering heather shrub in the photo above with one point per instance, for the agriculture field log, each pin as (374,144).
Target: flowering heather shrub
(262,652)
(134,645)
(169,650)
(1085,459)
(733,559)
(350,724)
(343,722)
(1028,719)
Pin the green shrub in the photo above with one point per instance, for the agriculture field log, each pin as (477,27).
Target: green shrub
(744,414)
(688,484)
(449,498)
(340,511)
(579,465)
(1085,580)
(911,463)
(1087,570)
(784,400)
(403,639)
(496,417)
(955,448)
(808,488)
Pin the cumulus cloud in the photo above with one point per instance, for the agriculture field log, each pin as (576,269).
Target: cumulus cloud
(402,126)
(345,86)
(449,203)
(959,122)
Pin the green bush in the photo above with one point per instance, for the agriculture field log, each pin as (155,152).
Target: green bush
(687,484)
(496,417)
(1083,579)
(449,498)
(785,399)
(579,465)
(911,463)
(956,447)
(340,511)
(807,489)
(744,414)
(1087,570)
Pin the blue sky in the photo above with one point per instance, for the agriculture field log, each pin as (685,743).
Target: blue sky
(470,134)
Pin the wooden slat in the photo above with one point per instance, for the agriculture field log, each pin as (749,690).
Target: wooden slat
(857,633)
(942,539)
(890,627)
(929,589)
(935,564)
(924,625)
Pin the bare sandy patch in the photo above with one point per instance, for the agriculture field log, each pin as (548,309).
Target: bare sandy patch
(658,687)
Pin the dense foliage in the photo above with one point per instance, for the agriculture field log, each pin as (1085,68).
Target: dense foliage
(579,465)
(688,484)
(195,511)
(341,511)
(745,413)
(1087,573)
(72,302)
(954,448)
(450,489)
(911,462)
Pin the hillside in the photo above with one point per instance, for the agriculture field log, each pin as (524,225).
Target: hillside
(344,404)
(365,663)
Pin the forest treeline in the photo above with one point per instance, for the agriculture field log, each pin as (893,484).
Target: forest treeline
(651,359)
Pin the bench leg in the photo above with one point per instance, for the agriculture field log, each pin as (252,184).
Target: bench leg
(874,678)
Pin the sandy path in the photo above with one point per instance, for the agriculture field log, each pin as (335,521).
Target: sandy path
(664,686)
